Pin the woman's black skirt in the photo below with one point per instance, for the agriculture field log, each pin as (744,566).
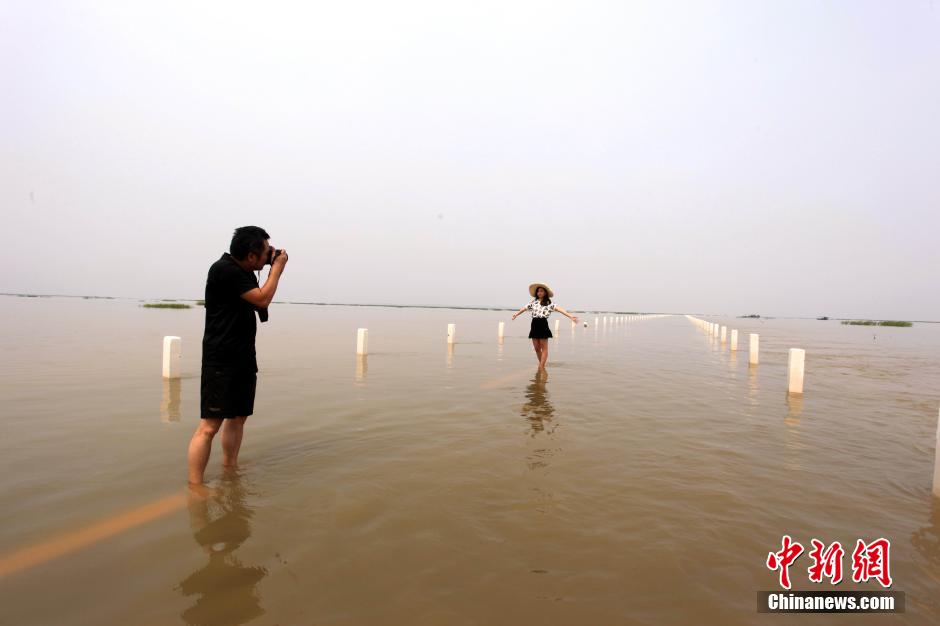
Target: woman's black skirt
(540,329)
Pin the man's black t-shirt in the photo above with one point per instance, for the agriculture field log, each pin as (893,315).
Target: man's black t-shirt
(229,338)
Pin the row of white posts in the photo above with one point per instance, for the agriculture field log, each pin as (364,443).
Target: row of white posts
(362,339)
(795,364)
(795,371)
(621,319)
(172,359)
(172,351)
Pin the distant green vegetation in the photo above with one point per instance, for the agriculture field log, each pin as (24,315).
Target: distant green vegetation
(200,303)
(751,316)
(874,323)
(166,305)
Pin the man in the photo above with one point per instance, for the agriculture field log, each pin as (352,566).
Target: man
(229,368)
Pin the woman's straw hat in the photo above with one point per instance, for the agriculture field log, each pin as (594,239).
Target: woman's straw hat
(534,286)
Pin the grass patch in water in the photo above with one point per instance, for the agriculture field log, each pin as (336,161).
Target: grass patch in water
(166,305)
(896,323)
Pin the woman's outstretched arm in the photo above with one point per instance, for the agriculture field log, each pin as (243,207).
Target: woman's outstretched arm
(573,318)
(520,311)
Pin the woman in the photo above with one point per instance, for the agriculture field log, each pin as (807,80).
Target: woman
(541,307)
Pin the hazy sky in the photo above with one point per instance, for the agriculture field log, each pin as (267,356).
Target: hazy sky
(725,157)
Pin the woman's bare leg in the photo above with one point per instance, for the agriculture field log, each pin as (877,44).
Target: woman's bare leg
(543,354)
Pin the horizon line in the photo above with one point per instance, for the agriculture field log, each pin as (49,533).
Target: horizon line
(454,307)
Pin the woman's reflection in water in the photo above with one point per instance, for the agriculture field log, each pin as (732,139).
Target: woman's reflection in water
(221,522)
(538,409)
(540,413)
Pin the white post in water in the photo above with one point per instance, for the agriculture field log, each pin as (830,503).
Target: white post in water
(557,326)
(795,370)
(724,333)
(502,329)
(451,333)
(753,347)
(596,321)
(734,340)
(172,355)
(936,462)
(362,342)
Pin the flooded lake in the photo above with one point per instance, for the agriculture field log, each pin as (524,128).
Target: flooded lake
(643,480)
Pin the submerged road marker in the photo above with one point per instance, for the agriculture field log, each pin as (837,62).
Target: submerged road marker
(76,540)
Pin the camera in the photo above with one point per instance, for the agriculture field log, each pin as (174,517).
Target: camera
(273,253)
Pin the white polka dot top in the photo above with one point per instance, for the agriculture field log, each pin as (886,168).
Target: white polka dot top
(538,310)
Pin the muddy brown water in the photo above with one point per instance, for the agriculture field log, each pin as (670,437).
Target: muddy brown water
(642,481)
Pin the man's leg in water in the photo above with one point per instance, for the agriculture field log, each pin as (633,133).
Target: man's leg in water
(232,432)
(199,448)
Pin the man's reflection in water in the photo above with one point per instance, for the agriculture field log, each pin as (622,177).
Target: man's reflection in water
(538,409)
(221,522)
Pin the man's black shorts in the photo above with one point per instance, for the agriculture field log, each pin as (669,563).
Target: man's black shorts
(227,391)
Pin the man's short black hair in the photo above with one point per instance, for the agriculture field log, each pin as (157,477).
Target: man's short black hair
(246,240)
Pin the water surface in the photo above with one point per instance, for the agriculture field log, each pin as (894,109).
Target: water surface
(643,480)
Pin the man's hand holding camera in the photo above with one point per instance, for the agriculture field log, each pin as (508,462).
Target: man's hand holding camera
(277,259)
